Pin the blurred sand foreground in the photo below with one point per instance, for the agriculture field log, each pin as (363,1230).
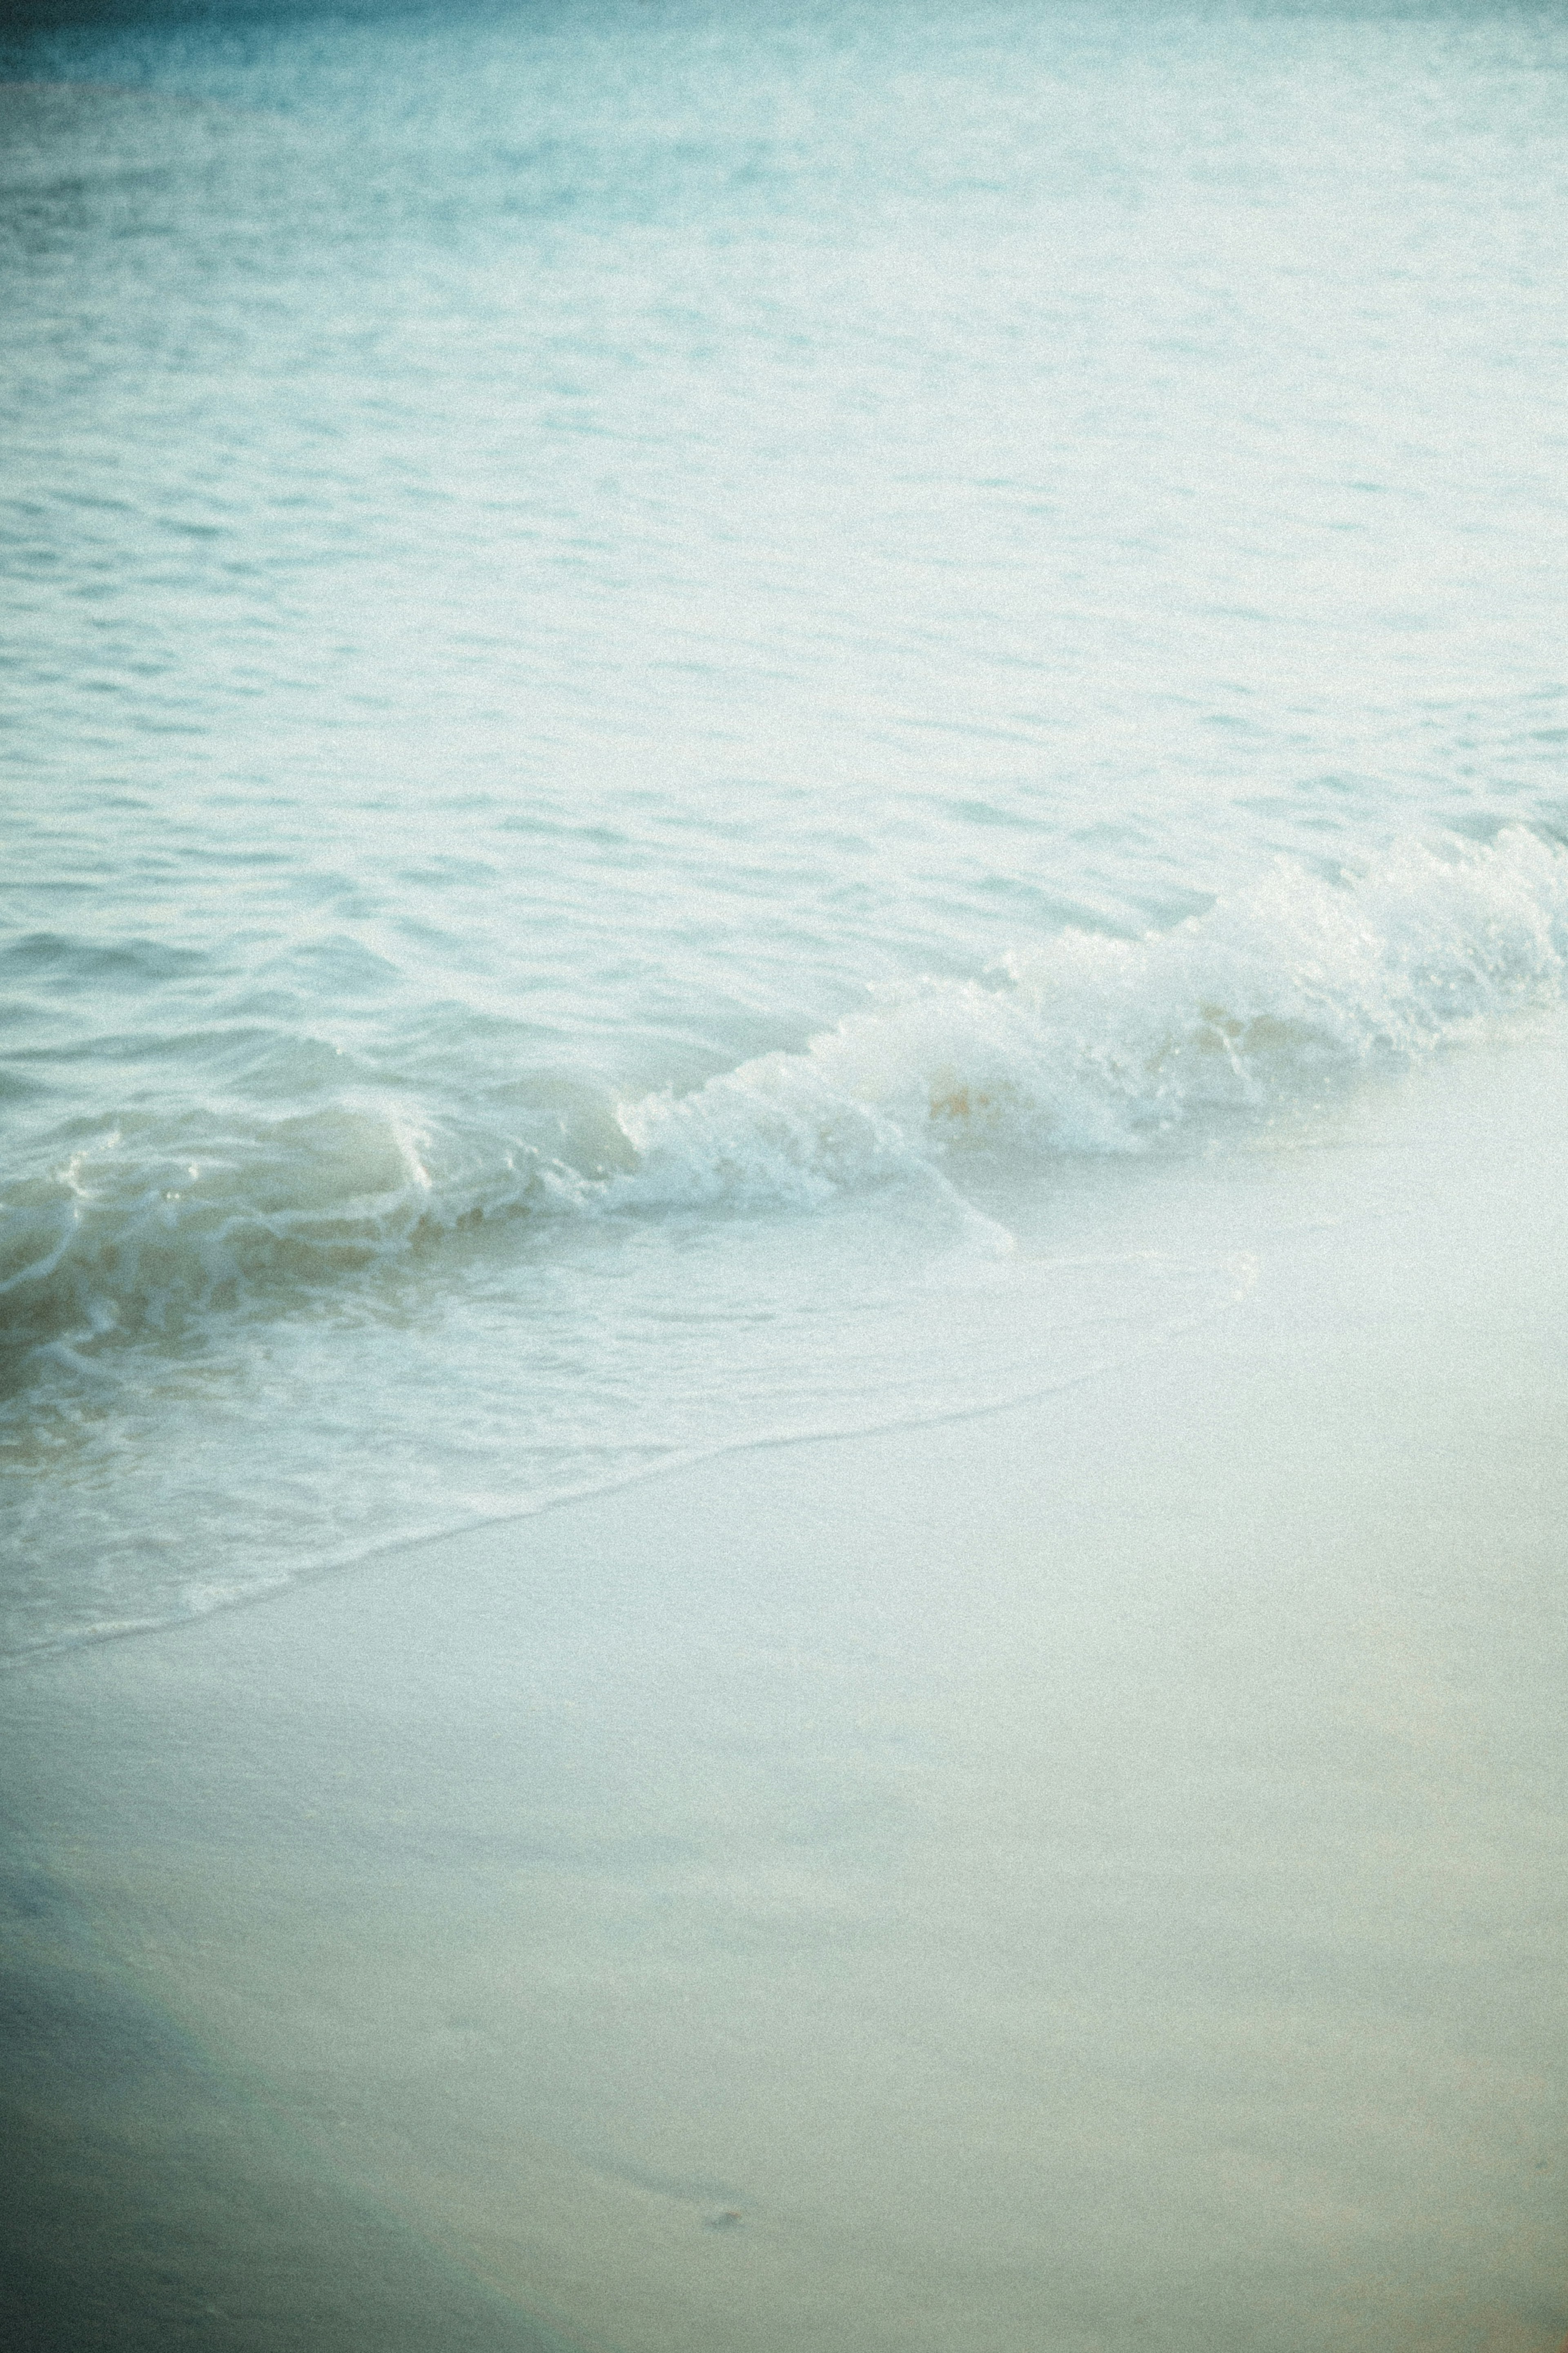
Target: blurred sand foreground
(1091,1876)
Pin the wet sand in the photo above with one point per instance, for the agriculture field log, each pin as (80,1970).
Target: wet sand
(151,2203)
(1091,1876)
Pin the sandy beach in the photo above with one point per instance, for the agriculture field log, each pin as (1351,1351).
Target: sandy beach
(1087,1876)
(151,2202)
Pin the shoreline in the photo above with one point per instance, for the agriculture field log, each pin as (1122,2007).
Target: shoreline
(1055,1870)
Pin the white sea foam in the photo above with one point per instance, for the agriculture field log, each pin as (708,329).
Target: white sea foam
(1090,1044)
(1082,1044)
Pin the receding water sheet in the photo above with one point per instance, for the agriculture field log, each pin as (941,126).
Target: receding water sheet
(786,873)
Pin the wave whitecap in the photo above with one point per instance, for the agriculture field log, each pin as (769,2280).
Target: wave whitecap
(1084,1044)
(1090,1044)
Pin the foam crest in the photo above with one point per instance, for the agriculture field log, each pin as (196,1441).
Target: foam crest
(1089,1044)
(1082,1045)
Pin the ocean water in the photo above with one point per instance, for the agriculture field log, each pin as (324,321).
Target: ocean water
(683,681)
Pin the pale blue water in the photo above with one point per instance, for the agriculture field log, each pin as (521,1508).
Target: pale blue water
(680,677)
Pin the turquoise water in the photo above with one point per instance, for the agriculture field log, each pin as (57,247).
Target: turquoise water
(681,679)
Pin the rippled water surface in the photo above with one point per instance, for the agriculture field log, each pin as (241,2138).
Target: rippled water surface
(681,677)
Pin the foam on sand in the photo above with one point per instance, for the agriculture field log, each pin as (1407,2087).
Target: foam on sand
(1082,1877)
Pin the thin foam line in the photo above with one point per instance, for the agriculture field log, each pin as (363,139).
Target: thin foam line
(689,1459)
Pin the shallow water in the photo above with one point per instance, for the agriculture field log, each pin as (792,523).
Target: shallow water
(670,662)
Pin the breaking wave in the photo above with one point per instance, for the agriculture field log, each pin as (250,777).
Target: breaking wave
(1085,1044)
(1090,1044)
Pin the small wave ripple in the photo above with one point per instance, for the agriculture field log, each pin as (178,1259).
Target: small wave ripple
(1084,1044)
